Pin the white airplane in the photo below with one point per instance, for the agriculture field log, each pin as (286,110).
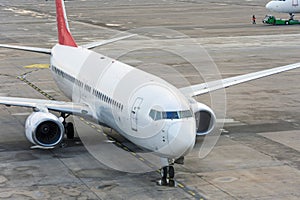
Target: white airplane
(284,6)
(148,111)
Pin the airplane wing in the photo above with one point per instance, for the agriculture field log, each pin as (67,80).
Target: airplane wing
(104,42)
(203,88)
(25,48)
(59,106)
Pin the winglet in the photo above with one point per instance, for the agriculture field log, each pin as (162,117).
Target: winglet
(64,34)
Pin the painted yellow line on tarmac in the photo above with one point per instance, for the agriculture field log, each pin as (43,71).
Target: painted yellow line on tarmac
(142,159)
(191,192)
(180,185)
(37,66)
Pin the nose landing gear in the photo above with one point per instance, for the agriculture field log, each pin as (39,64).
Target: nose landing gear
(168,172)
(167,176)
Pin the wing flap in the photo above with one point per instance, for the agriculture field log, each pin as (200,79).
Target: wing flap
(203,88)
(59,106)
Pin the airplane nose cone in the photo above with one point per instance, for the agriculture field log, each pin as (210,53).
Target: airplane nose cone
(181,137)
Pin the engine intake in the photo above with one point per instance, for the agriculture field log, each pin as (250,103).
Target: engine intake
(205,118)
(44,129)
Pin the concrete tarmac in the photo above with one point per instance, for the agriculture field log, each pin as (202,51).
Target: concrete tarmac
(256,157)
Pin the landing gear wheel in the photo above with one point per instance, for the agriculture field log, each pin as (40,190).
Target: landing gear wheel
(171,176)
(171,172)
(164,173)
(69,128)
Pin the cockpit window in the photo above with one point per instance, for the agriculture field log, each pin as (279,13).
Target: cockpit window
(152,114)
(157,115)
(185,114)
(170,115)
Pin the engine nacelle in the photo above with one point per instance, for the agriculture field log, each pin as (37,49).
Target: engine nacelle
(205,118)
(44,129)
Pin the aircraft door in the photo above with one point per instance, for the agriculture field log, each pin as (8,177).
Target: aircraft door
(134,113)
(295,3)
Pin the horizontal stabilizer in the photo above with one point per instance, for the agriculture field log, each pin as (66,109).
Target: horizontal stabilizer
(104,42)
(25,48)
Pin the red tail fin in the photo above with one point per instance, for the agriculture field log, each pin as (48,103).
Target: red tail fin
(64,35)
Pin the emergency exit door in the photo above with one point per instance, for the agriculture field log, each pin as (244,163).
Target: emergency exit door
(134,113)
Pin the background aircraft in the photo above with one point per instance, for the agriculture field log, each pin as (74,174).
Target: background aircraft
(284,6)
(146,110)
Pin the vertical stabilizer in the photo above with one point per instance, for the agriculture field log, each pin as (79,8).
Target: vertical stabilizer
(64,34)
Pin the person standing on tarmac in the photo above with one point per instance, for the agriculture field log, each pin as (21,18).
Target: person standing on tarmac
(253,19)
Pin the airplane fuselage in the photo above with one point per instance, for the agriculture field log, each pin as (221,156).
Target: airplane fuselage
(286,6)
(145,109)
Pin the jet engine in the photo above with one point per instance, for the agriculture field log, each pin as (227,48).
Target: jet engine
(205,118)
(44,129)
